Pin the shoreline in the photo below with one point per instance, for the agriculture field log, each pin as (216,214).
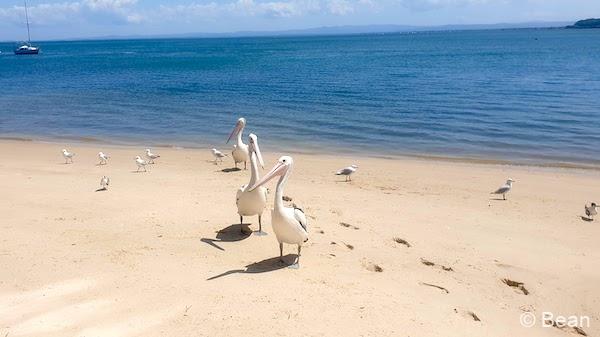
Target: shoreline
(91,141)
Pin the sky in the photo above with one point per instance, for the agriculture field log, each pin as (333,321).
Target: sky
(66,19)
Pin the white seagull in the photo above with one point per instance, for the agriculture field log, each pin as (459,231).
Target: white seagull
(504,189)
(591,210)
(252,202)
(289,223)
(140,163)
(240,150)
(103,158)
(218,155)
(104,182)
(151,156)
(67,155)
(347,171)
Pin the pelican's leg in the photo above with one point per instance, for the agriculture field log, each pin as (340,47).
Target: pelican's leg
(245,166)
(281,252)
(296,265)
(260,232)
(242,224)
(138,170)
(145,169)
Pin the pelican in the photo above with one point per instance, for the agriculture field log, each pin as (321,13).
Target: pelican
(504,189)
(240,150)
(252,202)
(591,210)
(67,155)
(347,171)
(151,156)
(103,158)
(140,163)
(289,223)
(218,155)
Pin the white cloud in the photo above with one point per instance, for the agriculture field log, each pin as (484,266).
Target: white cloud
(340,7)
(424,5)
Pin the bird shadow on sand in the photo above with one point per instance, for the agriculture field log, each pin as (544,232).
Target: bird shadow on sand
(231,169)
(264,266)
(139,171)
(231,233)
(101,189)
(586,219)
(498,199)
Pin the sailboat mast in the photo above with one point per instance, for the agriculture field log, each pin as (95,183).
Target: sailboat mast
(27,18)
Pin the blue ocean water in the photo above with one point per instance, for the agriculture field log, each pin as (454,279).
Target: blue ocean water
(519,95)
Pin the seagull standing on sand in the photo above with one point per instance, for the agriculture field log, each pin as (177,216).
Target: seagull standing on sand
(103,158)
(140,163)
(504,189)
(591,210)
(104,182)
(240,150)
(151,156)
(67,155)
(252,202)
(218,155)
(347,171)
(289,223)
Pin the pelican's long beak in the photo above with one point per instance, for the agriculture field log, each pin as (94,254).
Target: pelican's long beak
(278,170)
(259,155)
(234,132)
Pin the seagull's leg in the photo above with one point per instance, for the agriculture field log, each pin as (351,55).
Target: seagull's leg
(504,196)
(242,224)
(245,166)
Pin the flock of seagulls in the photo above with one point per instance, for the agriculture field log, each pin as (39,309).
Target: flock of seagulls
(289,223)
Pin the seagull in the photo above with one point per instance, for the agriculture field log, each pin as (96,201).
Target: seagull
(347,171)
(151,156)
(504,189)
(289,223)
(103,158)
(140,163)
(218,155)
(591,210)
(104,182)
(68,156)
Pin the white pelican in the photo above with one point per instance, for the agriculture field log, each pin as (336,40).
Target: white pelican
(504,189)
(591,210)
(240,150)
(151,156)
(103,158)
(347,171)
(140,163)
(104,182)
(289,223)
(252,202)
(218,155)
(67,155)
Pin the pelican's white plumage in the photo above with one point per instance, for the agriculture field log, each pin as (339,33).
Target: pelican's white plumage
(240,151)
(252,202)
(289,223)
(347,171)
(68,156)
(140,163)
(504,189)
(151,156)
(103,158)
(218,155)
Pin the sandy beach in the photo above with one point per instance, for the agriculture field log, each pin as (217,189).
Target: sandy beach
(161,254)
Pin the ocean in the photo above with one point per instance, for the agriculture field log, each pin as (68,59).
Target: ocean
(523,95)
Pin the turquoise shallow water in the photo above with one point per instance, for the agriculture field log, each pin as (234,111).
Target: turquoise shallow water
(519,95)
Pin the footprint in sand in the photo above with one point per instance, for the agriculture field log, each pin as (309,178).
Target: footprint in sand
(370,266)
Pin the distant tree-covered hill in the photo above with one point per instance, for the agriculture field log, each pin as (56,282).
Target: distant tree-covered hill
(588,23)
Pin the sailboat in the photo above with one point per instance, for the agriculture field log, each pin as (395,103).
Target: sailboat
(26,48)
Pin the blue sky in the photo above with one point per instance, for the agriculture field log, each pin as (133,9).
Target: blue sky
(56,19)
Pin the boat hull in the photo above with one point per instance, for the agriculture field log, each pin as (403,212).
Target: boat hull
(27,52)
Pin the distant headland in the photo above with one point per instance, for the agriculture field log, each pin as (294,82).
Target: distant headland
(586,24)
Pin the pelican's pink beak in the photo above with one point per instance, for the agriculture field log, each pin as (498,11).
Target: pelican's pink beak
(235,131)
(258,155)
(278,170)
